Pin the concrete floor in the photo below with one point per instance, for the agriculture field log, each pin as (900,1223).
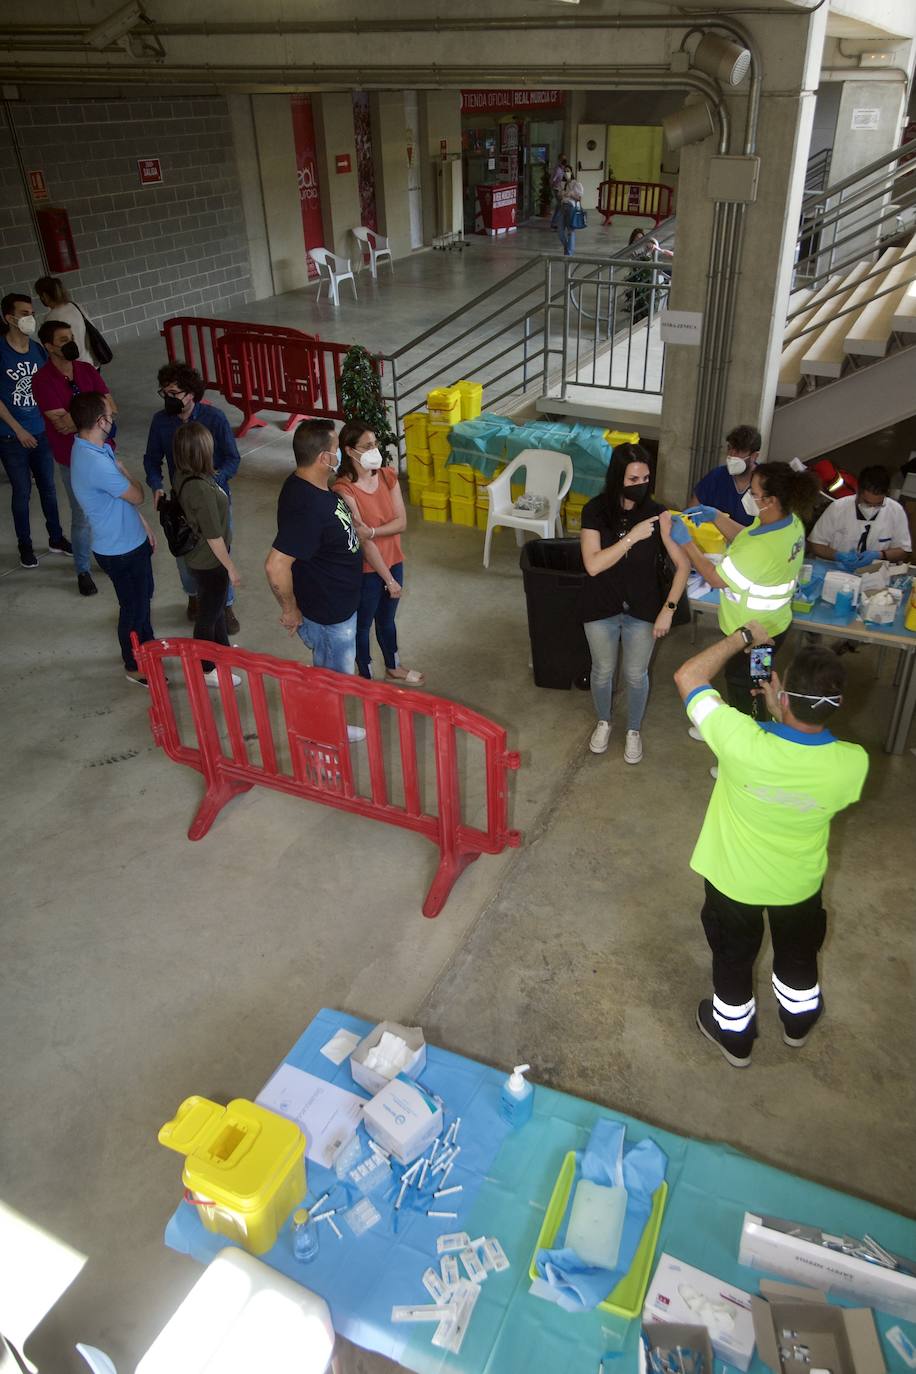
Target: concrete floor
(139,968)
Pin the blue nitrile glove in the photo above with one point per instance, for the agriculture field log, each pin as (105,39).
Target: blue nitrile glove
(848,560)
(679,531)
(701,515)
(869,556)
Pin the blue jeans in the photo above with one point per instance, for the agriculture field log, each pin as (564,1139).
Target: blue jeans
(604,637)
(22,465)
(80,533)
(187,576)
(132,575)
(567,233)
(376,605)
(332,646)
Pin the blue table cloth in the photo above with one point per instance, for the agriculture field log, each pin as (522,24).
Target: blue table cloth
(507,1180)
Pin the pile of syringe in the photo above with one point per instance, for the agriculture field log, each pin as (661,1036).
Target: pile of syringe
(429,1174)
(676,1359)
(455,1294)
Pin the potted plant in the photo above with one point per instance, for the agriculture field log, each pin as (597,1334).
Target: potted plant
(361,395)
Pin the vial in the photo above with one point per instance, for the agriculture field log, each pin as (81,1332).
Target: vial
(305,1236)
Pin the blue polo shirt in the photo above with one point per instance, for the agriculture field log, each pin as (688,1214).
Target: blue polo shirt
(98,484)
(717,489)
(162,430)
(16,373)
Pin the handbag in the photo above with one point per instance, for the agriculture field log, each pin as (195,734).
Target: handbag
(180,535)
(98,345)
(579,218)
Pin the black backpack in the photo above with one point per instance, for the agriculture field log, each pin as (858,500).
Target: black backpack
(181,537)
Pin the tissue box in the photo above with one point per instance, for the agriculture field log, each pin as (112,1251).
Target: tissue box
(766,1243)
(733,1340)
(403,1119)
(370,1079)
(841,1339)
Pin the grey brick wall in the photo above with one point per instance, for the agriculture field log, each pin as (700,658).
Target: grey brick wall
(145,252)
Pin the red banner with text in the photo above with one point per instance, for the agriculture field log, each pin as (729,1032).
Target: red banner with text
(307,176)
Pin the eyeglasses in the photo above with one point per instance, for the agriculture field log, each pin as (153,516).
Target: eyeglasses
(179,395)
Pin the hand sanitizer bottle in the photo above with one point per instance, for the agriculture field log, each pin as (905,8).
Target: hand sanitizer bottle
(517,1098)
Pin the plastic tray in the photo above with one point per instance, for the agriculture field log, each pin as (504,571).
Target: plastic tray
(627,1297)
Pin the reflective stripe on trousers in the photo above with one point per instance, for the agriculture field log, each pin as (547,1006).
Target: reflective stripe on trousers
(733,1018)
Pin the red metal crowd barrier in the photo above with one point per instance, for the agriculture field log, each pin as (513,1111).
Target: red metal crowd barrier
(640,198)
(314,729)
(300,376)
(193,339)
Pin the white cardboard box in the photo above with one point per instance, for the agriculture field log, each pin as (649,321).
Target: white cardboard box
(793,1257)
(403,1119)
(732,1338)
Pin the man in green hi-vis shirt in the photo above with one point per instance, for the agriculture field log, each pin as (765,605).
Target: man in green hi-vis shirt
(763,844)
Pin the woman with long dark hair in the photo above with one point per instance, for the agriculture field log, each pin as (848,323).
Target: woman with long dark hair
(370,488)
(636,578)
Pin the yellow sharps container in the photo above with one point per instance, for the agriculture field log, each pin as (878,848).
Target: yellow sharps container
(244,1167)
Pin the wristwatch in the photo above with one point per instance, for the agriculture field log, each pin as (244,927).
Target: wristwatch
(746,635)
(670,605)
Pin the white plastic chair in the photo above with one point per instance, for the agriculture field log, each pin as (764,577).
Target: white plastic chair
(547,474)
(338,270)
(37,1269)
(377,245)
(240,1314)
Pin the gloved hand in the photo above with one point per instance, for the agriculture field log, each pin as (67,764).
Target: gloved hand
(679,531)
(702,514)
(848,560)
(869,556)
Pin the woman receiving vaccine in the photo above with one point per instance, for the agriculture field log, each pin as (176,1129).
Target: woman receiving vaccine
(371,491)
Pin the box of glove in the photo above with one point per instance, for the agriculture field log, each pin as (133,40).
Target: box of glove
(680,1293)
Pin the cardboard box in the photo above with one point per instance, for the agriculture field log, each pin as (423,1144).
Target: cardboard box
(370,1079)
(766,1243)
(403,1119)
(732,1336)
(841,1339)
(664,1335)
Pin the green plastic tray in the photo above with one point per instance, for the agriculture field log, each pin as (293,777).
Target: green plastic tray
(627,1297)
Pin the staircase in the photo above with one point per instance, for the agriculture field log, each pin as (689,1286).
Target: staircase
(848,365)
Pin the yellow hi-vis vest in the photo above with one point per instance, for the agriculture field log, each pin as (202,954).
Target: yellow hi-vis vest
(760,571)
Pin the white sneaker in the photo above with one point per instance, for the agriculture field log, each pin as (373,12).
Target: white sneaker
(694,733)
(632,750)
(714,772)
(212,679)
(355,733)
(600,736)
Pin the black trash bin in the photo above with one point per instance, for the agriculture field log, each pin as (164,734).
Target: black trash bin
(553,574)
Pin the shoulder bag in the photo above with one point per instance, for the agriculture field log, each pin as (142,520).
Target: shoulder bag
(98,346)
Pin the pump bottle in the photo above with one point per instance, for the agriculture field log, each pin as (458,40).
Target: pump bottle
(516,1101)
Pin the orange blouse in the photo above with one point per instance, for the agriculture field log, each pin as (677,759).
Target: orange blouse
(377,508)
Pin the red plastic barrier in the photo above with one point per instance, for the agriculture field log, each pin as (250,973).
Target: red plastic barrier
(639,198)
(314,726)
(193,339)
(299,375)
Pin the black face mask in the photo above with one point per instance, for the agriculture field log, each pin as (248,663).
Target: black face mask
(636,494)
(70,351)
(172,405)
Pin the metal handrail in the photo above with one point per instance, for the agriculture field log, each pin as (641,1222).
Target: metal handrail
(905,150)
(848,310)
(877,271)
(462,309)
(846,208)
(840,269)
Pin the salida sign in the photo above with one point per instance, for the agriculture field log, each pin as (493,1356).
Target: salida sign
(307,176)
(495,101)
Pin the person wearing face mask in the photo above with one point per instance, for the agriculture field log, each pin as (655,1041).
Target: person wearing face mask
(632,590)
(372,492)
(727,487)
(756,578)
(122,541)
(315,568)
(866,528)
(54,386)
(181,389)
(763,843)
(24,449)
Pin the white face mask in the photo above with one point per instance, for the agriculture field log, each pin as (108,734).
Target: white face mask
(335,463)
(749,503)
(27,324)
(736,466)
(869,512)
(371,460)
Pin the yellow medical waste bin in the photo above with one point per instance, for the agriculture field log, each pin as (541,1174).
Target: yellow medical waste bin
(471,399)
(420,466)
(621,436)
(462,511)
(415,440)
(572,515)
(461,484)
(444,404)
(435,506)
(244,1167)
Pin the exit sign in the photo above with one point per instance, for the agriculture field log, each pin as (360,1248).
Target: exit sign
(150,169)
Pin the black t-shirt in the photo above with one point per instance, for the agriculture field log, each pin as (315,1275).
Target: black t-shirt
(315,528)
(632,584)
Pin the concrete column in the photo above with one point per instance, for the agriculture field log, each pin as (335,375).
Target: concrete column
(276,154)
(389,150)
(440,118)
(790,52)
(244,138)
(340,208)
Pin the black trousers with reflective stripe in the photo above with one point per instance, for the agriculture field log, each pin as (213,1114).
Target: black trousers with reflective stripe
(734,932)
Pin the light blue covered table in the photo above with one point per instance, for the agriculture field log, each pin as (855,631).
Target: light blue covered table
(507,1181)
(823,619)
